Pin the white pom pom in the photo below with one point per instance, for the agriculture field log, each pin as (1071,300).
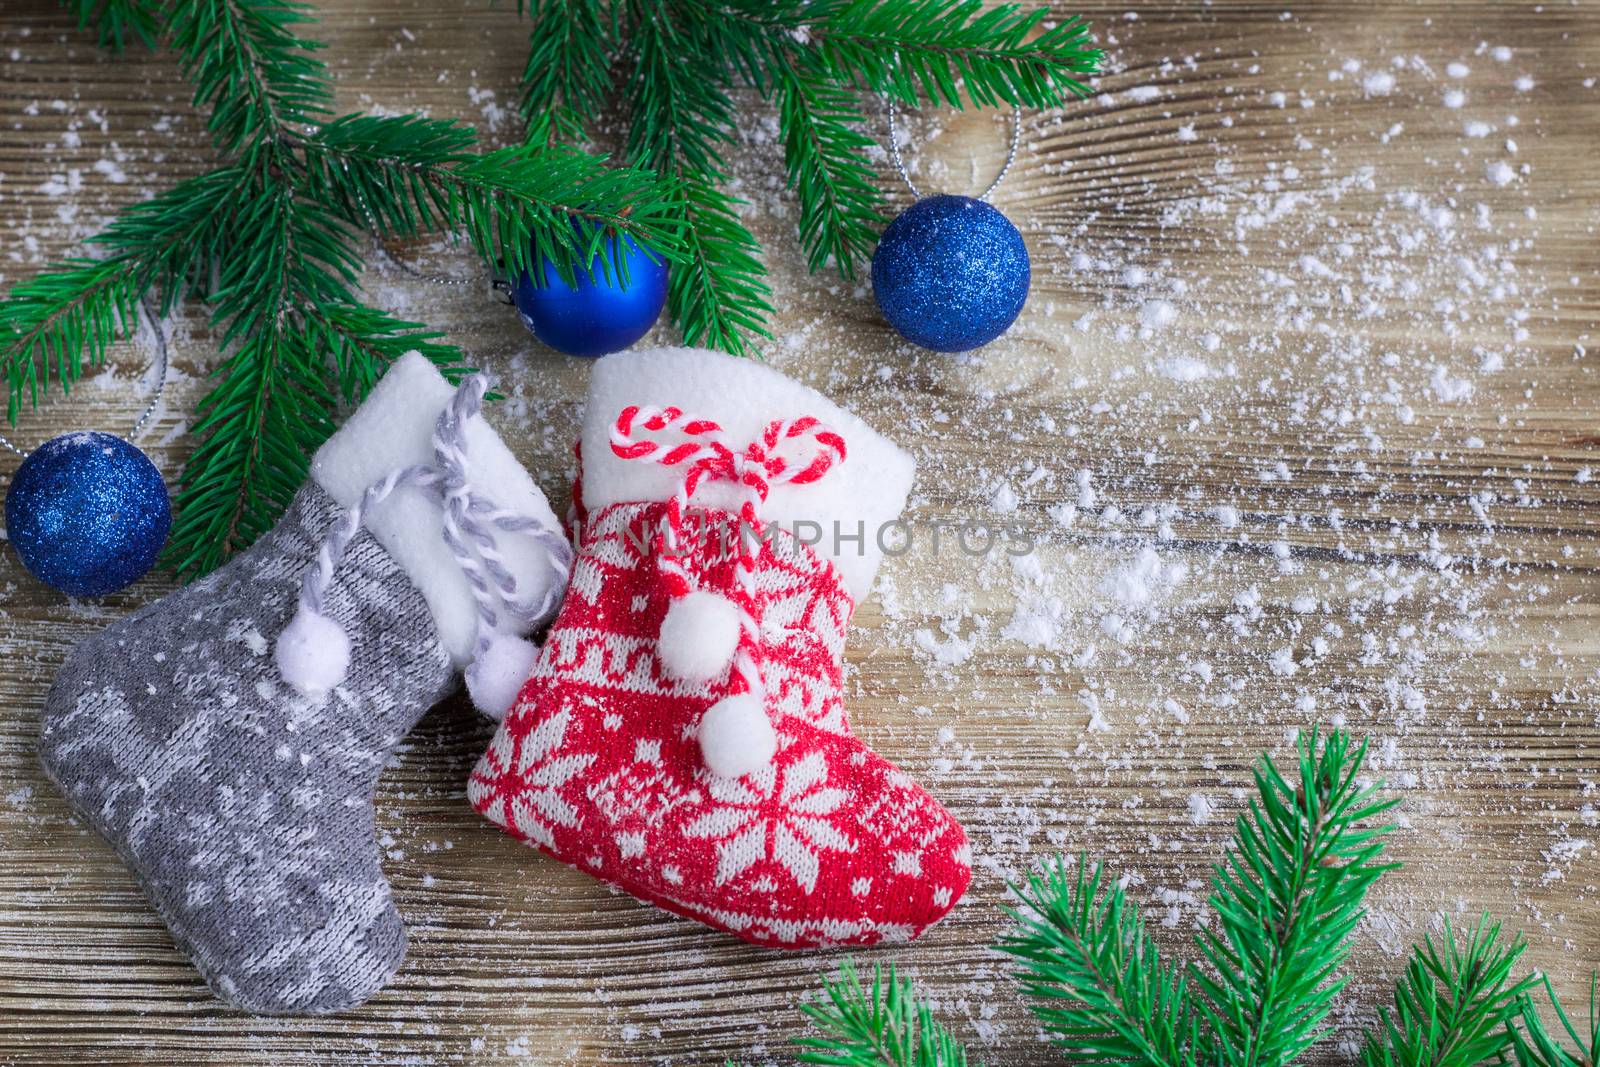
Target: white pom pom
(736,737)
(699,636)
(496,677)
(313,653)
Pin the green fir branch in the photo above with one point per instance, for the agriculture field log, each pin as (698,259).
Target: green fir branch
(242,57)
(934,50)
(361,342)
(291,253)
(1095,978)
(813,57)
(1453,1004)
(257,428)
(841,206)
(1287,898)
(300,343)
(58,322)
(884,1025)
(517,205)
(682,117)
(117,21)
(719,295)
(178,235)
(377,170)
(1536,1046)
(270,406)
(937,51)
(1286,901)
(274,227)
(568,74)
(247,66)
(266,241)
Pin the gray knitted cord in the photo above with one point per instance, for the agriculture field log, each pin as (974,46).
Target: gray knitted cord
(313,651)
(243,806)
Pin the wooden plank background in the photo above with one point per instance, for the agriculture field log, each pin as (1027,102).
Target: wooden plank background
(1303,411)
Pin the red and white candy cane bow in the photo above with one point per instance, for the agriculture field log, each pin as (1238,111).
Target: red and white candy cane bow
(705,633)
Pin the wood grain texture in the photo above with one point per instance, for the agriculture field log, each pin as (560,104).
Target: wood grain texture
(1302,413)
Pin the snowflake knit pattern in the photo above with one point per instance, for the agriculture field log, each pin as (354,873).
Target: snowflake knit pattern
(246,811)
(600,764)
(227,740)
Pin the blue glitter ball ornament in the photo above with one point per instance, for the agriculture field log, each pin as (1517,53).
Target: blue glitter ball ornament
(599,314)
(950,273)
(88,513)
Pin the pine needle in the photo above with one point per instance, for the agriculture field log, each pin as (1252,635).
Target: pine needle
(1453,1004)
(1536,1046)
(66,318)
(943,52)
(517,206)
(815,59)
(267,241)
(1287,898)
(881,1025)
(682,122)
(362,342)
(841,207)
(1095,978)
(247,66)
(265,414)
(270,407)
(116,21)
(719,296)
(568,74)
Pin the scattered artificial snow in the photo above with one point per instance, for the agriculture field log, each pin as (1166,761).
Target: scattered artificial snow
(1184,369)
(1378,83)
(1272,340)
(1157,314)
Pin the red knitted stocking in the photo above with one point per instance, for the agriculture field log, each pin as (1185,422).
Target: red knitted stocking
(683,735)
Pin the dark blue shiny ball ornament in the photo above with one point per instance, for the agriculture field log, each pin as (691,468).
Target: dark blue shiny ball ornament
(950,273)
(599,314)
(88,513)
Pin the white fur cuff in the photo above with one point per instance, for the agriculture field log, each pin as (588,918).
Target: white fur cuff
(392,429)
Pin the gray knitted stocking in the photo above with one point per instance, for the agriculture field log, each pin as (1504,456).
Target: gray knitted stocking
(245,808)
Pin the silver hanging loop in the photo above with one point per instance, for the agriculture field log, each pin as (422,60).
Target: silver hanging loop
(905,175)
(383,250)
